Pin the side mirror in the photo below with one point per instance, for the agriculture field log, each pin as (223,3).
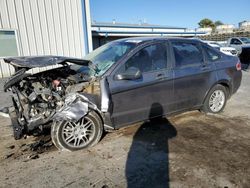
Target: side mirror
(132,73)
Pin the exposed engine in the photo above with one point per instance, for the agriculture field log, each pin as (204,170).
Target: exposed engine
(39,96)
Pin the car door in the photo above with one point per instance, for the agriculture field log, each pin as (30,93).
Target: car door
(148,96)
(192,76)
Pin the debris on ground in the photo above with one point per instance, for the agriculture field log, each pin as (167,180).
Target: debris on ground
(8,155)
(33,156)
(105,186)
(41,145)
(30,151)
(10,147)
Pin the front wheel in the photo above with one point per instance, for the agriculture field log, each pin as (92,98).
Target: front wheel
(71,136)
(216,100)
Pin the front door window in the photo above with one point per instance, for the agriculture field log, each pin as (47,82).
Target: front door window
(151,58)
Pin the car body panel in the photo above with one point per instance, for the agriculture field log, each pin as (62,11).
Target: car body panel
(137,100)
(148,94)
(191,82)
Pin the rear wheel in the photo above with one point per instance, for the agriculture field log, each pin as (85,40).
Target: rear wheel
(71,136)
(216,99)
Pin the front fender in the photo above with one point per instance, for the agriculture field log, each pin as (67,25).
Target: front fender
(76,106)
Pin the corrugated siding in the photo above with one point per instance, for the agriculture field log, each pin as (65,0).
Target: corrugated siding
(45,27)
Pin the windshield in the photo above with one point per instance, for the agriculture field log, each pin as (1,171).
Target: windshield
(245,40)
(104,57)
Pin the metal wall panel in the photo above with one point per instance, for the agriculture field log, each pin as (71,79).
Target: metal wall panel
(65,38)
(47,27)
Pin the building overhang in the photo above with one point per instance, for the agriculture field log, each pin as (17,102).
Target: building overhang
(141,26)
(145,33)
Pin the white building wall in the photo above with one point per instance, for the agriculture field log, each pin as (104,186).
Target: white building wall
(226,28)
(47,27)
(245,25)
(206,29)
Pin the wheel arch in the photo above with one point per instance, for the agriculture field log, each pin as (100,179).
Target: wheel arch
(227,85)
(97,111)
(224,83)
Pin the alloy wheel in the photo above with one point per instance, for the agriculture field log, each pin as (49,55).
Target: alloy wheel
(217,100)
(78,134)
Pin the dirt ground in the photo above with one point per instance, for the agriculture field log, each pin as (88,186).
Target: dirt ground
(188,150)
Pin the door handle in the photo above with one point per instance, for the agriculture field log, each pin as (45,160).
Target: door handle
(204,68)
(161,76)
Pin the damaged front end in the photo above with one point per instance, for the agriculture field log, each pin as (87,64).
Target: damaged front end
(57,94)
(75,107)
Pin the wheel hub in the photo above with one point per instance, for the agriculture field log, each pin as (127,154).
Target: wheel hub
(78,134)
(217,100)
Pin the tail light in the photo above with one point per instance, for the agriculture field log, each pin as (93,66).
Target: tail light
(238,66)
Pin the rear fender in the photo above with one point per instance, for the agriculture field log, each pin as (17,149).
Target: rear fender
(225,83)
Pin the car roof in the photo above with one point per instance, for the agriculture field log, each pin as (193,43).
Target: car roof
(140,40)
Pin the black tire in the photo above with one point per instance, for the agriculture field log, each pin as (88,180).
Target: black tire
(58,133)
(207,108)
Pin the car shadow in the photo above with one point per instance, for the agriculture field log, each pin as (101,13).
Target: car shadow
(147,163)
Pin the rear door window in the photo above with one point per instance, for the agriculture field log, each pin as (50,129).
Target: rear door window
(187,54)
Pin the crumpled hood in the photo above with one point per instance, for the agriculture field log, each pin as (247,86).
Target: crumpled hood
(23,64)
(42,61)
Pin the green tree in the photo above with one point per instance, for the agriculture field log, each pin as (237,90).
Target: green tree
(217,23)
(206,23)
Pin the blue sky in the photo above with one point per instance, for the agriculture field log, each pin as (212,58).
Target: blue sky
(183,13)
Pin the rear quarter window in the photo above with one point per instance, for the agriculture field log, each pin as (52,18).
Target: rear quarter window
(187,54)
(211,54)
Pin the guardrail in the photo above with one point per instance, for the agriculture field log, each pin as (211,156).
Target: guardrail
(224,36)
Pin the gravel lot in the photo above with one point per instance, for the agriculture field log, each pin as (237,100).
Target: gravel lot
(187,150)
